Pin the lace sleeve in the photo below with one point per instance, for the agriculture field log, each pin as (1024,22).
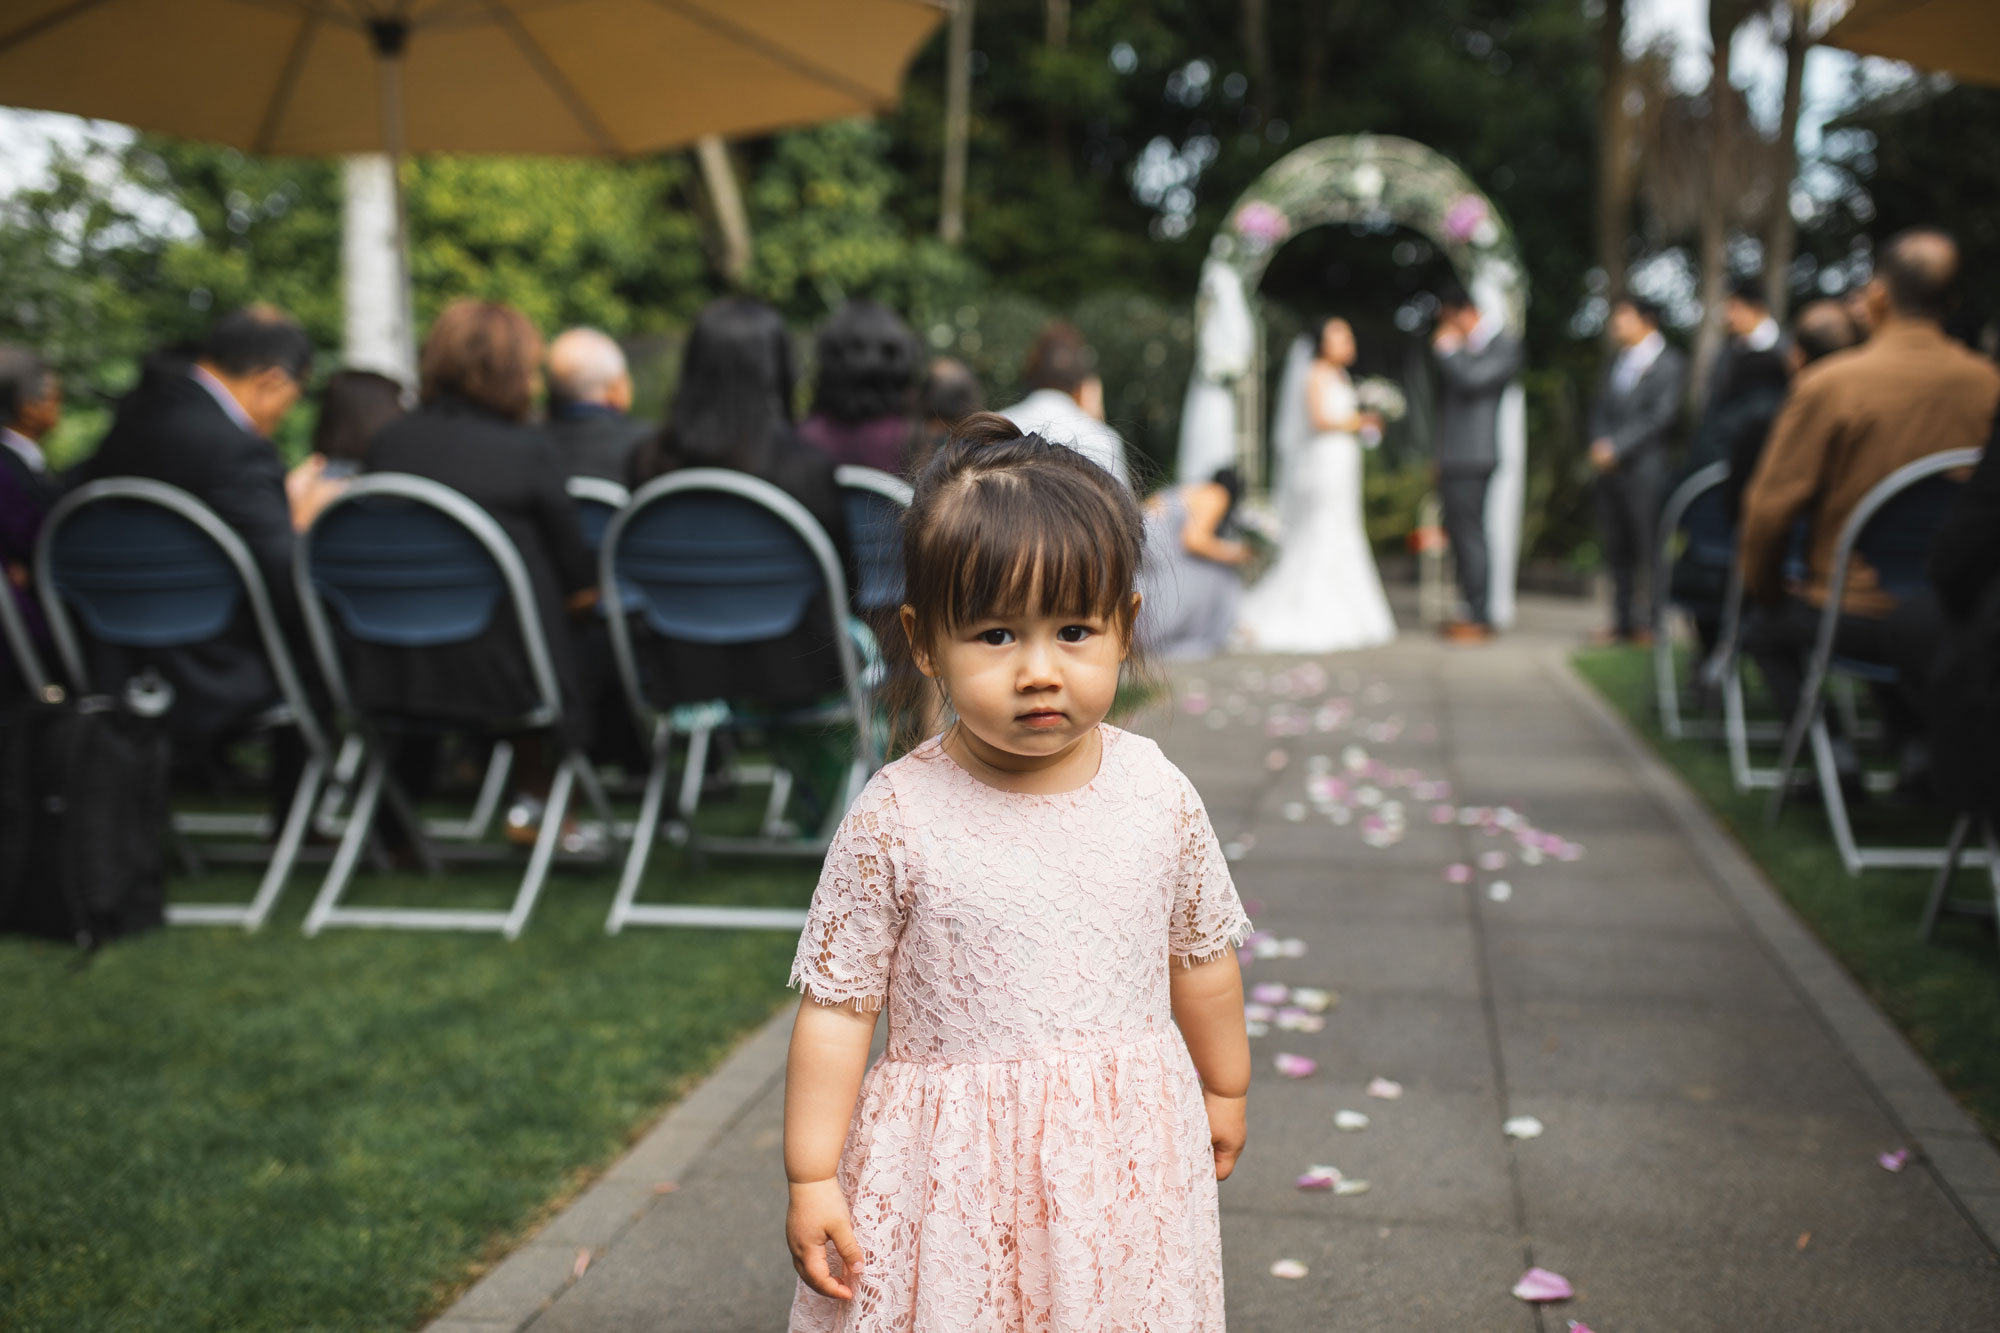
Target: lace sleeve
(857,910)
(1208,917)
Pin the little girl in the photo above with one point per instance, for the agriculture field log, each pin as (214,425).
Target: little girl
(1039,900)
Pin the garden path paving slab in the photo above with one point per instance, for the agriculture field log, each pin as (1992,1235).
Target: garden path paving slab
(1702,1069)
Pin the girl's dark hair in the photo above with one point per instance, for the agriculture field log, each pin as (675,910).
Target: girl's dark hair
(352,407)
(999,518)
(734,405)
(867,365)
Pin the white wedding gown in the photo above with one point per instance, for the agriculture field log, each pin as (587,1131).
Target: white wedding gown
(1322,595)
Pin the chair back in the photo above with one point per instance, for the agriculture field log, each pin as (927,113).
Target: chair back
(875,502)
(711,556)
(146,565)
(405,562)
(596,501)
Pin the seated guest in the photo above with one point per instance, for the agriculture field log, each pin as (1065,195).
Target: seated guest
(733,410)
(30,407)
(471,432)
(352,407)
(590,397)
(1851,420)
(863,395)
(1190,581)
(1821,329)
(1965,688)
(949,395)
(1066,404)
(206,427)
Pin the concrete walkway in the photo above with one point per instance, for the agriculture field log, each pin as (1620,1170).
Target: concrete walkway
(1714,1091)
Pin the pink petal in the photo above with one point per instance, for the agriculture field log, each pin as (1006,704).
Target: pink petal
(1276,760)
(1443,814)
(1270,992)
(1894,1161)
(1288,1268)
(1294,1066)
(1458,873)
(1493,860)
(1385,1088)
(1539,1284)
(1319,1178)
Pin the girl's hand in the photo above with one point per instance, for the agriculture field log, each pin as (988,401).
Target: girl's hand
(818,1214)
(1226,1130)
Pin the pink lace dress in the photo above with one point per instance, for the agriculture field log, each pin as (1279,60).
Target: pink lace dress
(1032,1151)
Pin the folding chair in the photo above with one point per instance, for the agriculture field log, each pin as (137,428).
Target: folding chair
(712,556)
(1725,670)
(597,500)
(1694,511)
(146,565)
(875,502)
(1891,528)
(404,562)
(1939,901)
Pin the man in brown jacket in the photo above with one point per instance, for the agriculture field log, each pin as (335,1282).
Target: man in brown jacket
(1851,420)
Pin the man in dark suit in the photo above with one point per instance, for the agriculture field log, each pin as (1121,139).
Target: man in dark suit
(1630,421)
(205,427)
(1476,360)
(30,407)
(590,393)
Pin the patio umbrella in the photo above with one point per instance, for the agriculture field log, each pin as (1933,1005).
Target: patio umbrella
(481,76)
(1956,37)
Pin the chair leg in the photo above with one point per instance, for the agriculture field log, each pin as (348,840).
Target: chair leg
(593,792)
(406,811)
(1788,757)
(286,851)
(1961,829)
(1666,681)
(545,848)
(643,832)
(1833,797)
(774,806)
(360,821)
(346,765)
(691,775)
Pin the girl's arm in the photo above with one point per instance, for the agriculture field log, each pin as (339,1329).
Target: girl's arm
(822,1077)
(1208,1007)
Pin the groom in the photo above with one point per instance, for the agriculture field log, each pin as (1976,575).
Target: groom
(1476,360)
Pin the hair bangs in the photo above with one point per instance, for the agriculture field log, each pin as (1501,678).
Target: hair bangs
(1027,558)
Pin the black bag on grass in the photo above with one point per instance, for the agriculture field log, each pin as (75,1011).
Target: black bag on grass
(83,812)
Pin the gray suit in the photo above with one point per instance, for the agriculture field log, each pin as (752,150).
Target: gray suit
(1466,445)
(1637,421)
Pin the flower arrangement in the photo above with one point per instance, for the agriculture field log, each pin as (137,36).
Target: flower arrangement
(1383,397)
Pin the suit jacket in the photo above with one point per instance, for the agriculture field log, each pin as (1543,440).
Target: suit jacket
(1639,420)
(171,429)
(1466,438)
(595,441)
(512,471)
(1852,419)
(25,499)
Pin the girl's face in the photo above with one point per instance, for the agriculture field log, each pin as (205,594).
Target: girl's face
(1337,344)
(1029,688)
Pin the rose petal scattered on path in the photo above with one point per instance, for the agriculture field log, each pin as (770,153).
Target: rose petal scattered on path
(1295,812)
(1539,1284)
(1291,948)
(1443,814)
(1805,1239)
(1276,760)
(666,1187)
(1256,1029)
(1458,873)
(1288,1268)
(582,1262)
(1522,1127)
(1313,998)
(1894,1161)
(1575,1327)
(1294,1019)
(1346,1187)
(1387,1089)
(1256,1012)
(1320,1178)
(1349,1121)
(1269,992)
(1500,891)
(1294,1066)
(1493,860)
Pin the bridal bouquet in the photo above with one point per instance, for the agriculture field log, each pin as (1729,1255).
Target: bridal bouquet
(1256,524)
(1383,397)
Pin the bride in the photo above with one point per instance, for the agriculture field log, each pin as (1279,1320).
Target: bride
(1323,594)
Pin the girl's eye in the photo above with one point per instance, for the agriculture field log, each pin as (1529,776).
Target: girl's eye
(998,638)
(1074,633)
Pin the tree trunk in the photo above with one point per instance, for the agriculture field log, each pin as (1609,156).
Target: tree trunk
(1256,18)
(725,200)
(1723,18)
(1616,176)
(1781,230)
(957,123)
(1055,36)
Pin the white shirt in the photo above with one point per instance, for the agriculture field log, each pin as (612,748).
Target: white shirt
(1054,416)
(1636,360)
(224,399)
(30,452)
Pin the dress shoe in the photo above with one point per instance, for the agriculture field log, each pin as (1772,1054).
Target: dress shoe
(1465,631)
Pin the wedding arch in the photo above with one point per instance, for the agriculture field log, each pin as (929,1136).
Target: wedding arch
(1377,181)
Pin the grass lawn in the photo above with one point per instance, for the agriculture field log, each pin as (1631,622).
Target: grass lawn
(205,1129)
(1945,996)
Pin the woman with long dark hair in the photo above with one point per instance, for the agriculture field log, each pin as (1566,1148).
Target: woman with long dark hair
(864,392)
(353,405)
(734,410)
